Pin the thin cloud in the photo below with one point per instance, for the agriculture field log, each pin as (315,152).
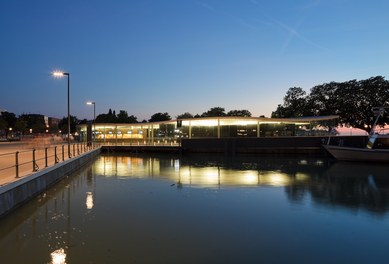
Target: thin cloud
(205,5)
(236,19)
(311,4)
(292,31)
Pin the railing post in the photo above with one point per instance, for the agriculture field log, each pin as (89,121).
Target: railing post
(55,155)
(35,166)
(46,157)
(78,149)
(74,150)
(63,152)
(17,163)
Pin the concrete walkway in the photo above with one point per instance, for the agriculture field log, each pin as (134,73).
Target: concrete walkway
(26,167)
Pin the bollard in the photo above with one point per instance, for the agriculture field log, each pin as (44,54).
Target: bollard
(46,157)
(17,164)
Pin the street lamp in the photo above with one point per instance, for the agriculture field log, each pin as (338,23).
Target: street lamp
(94,119)
(60,74)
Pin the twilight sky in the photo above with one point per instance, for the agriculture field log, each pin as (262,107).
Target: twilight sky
(179,56)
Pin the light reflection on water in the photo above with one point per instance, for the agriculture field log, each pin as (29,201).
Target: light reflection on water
(191,175)
(58,256)
(148,209)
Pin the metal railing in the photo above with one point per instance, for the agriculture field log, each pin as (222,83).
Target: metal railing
(17,164)
(155,142)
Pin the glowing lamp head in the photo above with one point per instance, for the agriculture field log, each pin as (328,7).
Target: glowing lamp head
(90,103)
(59,74)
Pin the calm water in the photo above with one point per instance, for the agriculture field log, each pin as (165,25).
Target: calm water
(164,209)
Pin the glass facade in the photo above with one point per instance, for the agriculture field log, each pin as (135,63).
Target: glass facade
(170,132)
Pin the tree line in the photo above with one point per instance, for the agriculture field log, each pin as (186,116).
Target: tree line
(352,101)
(35,123)
(123,117)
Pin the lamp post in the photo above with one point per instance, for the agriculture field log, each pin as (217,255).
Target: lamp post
(60,74)
(94,120)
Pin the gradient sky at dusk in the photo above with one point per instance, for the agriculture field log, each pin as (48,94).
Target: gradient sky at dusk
(181,56)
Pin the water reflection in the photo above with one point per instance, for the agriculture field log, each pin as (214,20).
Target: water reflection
(49,222)
(199,209)
(58,256)
(204,173)
(89,200)
(351,185)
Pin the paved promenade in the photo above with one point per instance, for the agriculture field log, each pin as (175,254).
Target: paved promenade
(25,155)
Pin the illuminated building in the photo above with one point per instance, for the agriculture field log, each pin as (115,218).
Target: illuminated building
(206,127)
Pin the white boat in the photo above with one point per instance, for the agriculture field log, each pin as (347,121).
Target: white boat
(377,149)
(358,154)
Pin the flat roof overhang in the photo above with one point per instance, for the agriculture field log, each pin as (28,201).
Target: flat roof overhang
(215,121)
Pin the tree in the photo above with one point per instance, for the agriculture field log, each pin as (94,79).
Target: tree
(9,118)
(323,99)
(34,121)
(352,101)
(214,111)
(21,125)
(3,126)
(160,117)
(123,117)
(242,113)
(110,117)
(184,115)
(294,104)
(63,124)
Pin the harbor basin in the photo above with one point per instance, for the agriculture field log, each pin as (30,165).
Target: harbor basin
(145,208)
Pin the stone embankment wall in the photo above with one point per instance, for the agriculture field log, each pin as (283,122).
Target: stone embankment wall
(21,191)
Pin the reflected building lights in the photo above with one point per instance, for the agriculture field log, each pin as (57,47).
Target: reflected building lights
(191,175)
(58,256)
(275,179)
(250,177)
(89,200)
(176,165)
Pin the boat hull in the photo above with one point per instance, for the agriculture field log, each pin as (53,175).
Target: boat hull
(358,154)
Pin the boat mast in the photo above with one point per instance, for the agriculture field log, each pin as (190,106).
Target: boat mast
(379,111)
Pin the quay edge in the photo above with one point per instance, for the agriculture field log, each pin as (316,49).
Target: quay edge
(23,190)
(310,145)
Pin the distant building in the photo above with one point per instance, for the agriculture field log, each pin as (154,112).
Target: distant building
(53,122)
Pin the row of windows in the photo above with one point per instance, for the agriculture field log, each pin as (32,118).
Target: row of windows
(170,131)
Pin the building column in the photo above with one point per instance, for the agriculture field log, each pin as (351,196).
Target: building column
(258,129)
(105,135)
(152,133)
(190,129)
(116,135)
(218,128)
